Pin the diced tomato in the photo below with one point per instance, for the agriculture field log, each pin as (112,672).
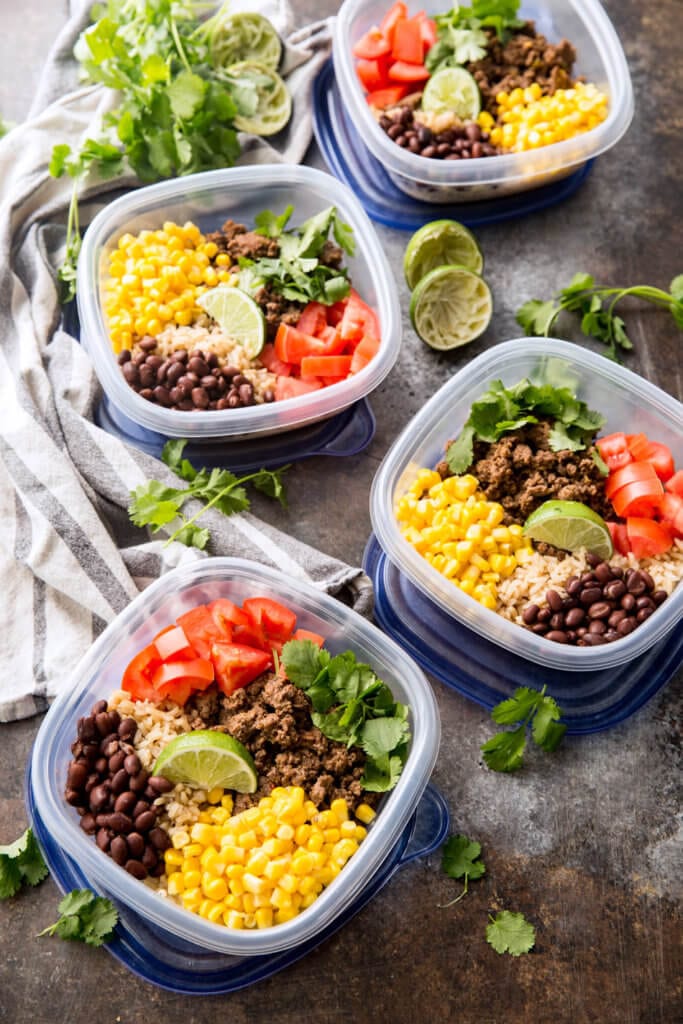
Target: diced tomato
(173,641)
(137,677)
(325,366)
(634,472)
(306,634)
(637,445)
(640,498)
(614,450)
(238,665)
(619,537)
(335,312)
(359,319)
(647,538)
(364,351)
(402,71)
(201,629)
(427,30)
(374,74)
(396,13)
(675,484)
(313,319)
(671,512)
(291,344)
(659,456)
(198,672)
(334,343)
(372,45)
(329,381)
(293,387)
(271,362)
(274,618)
(389,97)
(177,690)
(407,41)
(226,614)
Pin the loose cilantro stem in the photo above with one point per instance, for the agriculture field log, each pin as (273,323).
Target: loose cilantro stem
(178,44)
(216,498)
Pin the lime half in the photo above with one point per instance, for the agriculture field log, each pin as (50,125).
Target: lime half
(437,244)
(245,35)
(264,94)
(238,316)
(450,306)
(570,525)
(455,90)
(205,759)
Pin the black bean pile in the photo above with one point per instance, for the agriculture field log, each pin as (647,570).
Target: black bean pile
(113,793)
(186,381)
(602,605)
(458,143)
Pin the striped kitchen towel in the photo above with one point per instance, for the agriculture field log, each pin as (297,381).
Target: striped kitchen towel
(70,560)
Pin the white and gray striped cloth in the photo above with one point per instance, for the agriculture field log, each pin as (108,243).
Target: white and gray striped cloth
(69,559)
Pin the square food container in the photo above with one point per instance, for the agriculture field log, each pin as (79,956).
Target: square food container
(599,59)
(209,199)
(626,400)
(99,674)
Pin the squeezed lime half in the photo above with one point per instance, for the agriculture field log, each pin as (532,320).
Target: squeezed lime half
(244,35)
(273,100)
(437,244)
(450,306)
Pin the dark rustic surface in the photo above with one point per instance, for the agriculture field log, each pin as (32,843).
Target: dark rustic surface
(586,843)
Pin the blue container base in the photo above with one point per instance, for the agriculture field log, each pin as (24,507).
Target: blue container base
(171,963)
(486,673)
(349,159)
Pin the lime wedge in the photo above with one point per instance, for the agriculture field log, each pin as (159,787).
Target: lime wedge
(454,90)
(245,35)
(205,759)
(268,93)
(238,316)
(570,525)
(438,244)
(450,306)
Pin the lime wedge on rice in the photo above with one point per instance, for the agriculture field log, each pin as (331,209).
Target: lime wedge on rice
(204,759)
(237,315)
(438,244)
(570,525)
(263,97)
(452,90)
(450,306)
(245,35)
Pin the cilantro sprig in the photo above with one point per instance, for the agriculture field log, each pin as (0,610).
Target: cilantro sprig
(84,917)
(156,505)
(460,35)
(353,706)
(297,273)
(596,306)
(504,752)
(21,863)
(501,409)
(510,933)
(461,858)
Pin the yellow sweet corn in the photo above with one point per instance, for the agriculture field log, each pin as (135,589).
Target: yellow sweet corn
(528,120)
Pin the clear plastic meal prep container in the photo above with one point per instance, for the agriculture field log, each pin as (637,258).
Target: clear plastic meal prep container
(99,674)
(209,199)
(599,59)
(626,400)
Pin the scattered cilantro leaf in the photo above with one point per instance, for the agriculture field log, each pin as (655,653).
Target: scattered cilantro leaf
(85,917)
(460,859)
(504,752)
(511,933)
(500,410)
(596,306)
(155,505)
(21,862)
(352,705)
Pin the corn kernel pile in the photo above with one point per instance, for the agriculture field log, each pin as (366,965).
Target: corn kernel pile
(526,119)
(460,533)
(155,279)
(265,865)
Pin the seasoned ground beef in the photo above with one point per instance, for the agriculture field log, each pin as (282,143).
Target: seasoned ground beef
(272,718)
(525,58)
(521,472)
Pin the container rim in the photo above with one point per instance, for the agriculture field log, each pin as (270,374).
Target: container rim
(509,167)
(235,424)
(481,620)
(400,802)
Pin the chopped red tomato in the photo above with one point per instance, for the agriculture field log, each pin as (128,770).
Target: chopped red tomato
(373,74)
(389,97)
(292,344)
(197,673)
(201,629)
(358,320)
(408,44)
(640,498)
(271,362)
(671,512)
(326,366)
(634,472)
(614,450)
(364,351)
(372,45)
(238,665)
(173,641)
(675,483)
(428,30)
(306,634)
(659,456)
(397,12)
(647,538)
(293,387)
(637,445)
(402,71)
(137,677)
(313,319)
(227,615)
(274,618)
(619,537)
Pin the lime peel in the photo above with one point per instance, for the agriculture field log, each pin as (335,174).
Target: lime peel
(570,526)
(450,306)
(440,243)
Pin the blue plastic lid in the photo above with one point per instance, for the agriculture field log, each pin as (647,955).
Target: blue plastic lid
(349,159)
(178,966)
(486,673)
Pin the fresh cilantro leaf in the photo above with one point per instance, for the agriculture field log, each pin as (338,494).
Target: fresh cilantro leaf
(504,752)
(269,224)
(460,858)
(381,773)
(85,917)
(536,317)
(460,452)
(21,862)
(381,734)
(186,94)
(599,461)
(155,505)
(676,288)
(304,661)
(510,933)
(172,456)
(522,704)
